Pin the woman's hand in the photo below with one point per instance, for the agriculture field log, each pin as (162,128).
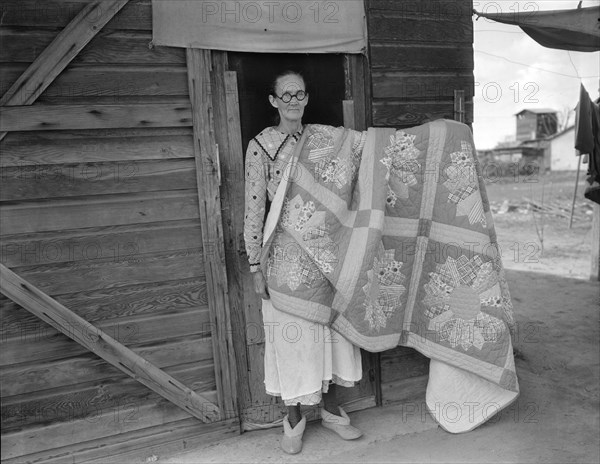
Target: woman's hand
(260,285)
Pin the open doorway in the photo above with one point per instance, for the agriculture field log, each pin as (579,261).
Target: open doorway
(324,75)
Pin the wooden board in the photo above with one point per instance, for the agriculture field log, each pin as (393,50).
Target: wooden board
(24,149)
(138,446)
(61,117)
(416,85)
(97,211)
(23,379)
(112,302)
(419,58)
(208,171)
(114,47)
(90,399)
(47,344)
(120,243)
(72,180)
(413,113)
(59,53)
(419,29)
(137,14)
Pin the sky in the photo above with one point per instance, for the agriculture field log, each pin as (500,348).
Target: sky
(513,72)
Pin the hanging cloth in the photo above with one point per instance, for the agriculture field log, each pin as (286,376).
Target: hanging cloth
(302,26)
(576,30)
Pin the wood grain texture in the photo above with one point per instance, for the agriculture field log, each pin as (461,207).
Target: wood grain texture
(44,343)
(25,149)
(72,180)
(109,47)
(115,301)
(209,180)
(88,399)
(97,211)
(425,85)
(100,343)
(418,30)
(107,424)
(228,134)
(137,14)
(58,54)
(412,113)
(61,374)
(114,83)
(64,117)
(120,243)
(395,57)
(138,446)
(94,274)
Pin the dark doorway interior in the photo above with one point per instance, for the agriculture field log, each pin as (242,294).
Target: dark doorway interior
(255,71)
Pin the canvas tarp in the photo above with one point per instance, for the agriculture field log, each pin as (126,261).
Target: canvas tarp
(261,26)
(576,30)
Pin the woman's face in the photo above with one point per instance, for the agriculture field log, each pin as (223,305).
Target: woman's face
(294,109)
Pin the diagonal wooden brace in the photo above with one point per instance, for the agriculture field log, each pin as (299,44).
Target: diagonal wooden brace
(101,344)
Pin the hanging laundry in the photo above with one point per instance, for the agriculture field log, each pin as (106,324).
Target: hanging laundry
(587,140)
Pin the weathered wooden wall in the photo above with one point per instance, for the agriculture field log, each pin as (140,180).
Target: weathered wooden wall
(107,222)
(420,52)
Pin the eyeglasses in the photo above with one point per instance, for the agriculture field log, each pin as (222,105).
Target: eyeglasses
(287,97)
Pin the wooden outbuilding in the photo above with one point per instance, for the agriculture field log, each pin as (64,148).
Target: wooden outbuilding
(130,330)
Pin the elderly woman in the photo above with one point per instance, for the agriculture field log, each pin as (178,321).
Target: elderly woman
(304,361)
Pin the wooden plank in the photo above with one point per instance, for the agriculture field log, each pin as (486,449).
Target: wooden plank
(43,343)
(443,10)
(137,14)
(95,211)
(61,278)
(459,105)
(419,30)
(209,176)
(263,409)
(72,180)
(228,136)
(404,389)
(595,251)
(67,44)
(114,82)
(358,89)
(61,117)
(402,363)
(116,301)
(121,243)
(348,110)
(420,57)
(20,45)
(107,424)
(23,379)
(411,113)
(89,399)
(24,149)
(57,315)
(425,85)
(138,446)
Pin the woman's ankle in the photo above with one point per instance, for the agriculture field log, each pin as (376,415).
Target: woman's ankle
(294,415)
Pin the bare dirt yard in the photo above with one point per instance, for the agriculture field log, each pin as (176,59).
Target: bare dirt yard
(556,417)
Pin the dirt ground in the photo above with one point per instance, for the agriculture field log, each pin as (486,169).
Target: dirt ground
(556,418)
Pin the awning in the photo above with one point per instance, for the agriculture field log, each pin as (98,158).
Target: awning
(301,26)
(576,30)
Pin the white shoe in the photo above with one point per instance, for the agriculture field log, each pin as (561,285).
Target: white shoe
(291,442)
(340,424)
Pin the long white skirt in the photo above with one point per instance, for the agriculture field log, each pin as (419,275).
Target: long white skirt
(302,358)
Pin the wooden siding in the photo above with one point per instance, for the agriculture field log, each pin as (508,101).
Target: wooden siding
(420,52)
(105,219)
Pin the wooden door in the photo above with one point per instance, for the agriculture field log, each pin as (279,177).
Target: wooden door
(327,77)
